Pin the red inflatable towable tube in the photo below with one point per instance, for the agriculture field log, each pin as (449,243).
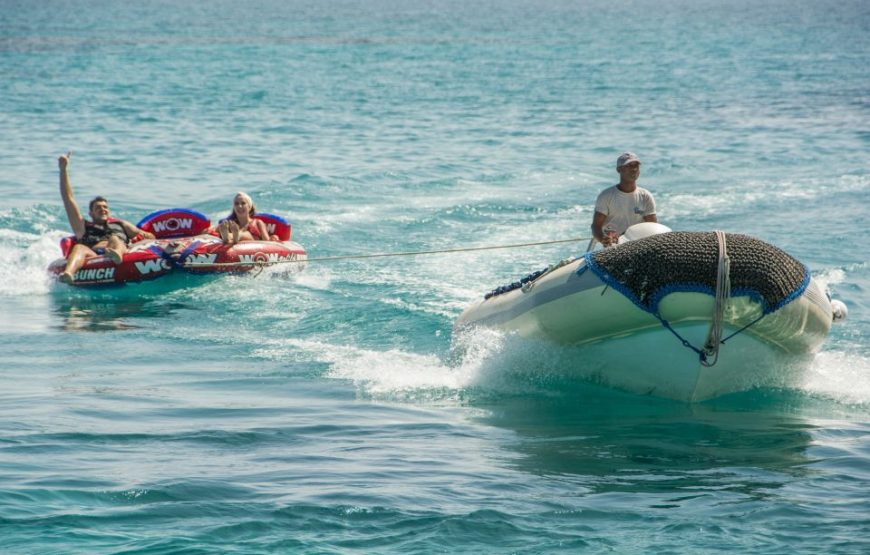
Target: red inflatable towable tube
(182,244)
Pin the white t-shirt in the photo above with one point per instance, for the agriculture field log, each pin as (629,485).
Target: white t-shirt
(623,210)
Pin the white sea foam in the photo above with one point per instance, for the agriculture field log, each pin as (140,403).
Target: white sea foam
(395,374)
(391,374)
(315,278)
(491,362)
(829,277)
(23,260)
(842,376)
(753,195)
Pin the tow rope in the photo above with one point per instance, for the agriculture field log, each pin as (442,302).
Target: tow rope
(384,254)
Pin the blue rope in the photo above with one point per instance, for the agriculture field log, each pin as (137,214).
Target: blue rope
(743,328)
(177,261)
(186,252)
(159,252)
(702,356)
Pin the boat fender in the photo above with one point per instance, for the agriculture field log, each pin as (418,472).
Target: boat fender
(643,229)
(839,310)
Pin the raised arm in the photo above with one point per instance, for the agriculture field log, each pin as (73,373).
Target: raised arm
(76,221)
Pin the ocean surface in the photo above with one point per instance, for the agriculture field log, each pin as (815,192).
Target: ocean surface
(335,411)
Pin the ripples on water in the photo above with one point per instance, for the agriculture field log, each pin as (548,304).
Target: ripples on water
(335,411)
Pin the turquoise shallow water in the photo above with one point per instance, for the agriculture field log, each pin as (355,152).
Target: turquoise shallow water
(334,411)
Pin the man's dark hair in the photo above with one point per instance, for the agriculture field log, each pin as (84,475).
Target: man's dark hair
(96,200)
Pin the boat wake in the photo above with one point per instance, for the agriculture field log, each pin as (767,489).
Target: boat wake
(484,365)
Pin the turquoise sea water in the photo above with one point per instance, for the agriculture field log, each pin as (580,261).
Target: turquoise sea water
(335,411)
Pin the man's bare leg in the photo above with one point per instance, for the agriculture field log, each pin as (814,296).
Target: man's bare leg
(78,255)
(116,249)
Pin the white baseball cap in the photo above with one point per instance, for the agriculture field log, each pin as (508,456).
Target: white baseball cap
(626,158)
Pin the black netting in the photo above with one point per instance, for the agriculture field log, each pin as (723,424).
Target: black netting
(683,260)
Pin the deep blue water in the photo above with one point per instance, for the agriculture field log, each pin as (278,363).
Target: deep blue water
(335,411)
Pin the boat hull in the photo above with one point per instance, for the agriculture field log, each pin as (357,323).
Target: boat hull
(621,344)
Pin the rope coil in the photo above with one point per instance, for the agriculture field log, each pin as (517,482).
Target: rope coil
(723,293)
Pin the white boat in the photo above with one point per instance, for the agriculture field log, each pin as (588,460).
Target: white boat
(682,315)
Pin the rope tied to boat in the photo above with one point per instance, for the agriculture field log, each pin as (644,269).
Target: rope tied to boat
(708,355)
(723,293)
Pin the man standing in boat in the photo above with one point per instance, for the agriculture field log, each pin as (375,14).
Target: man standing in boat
(621,206)
(102,235)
